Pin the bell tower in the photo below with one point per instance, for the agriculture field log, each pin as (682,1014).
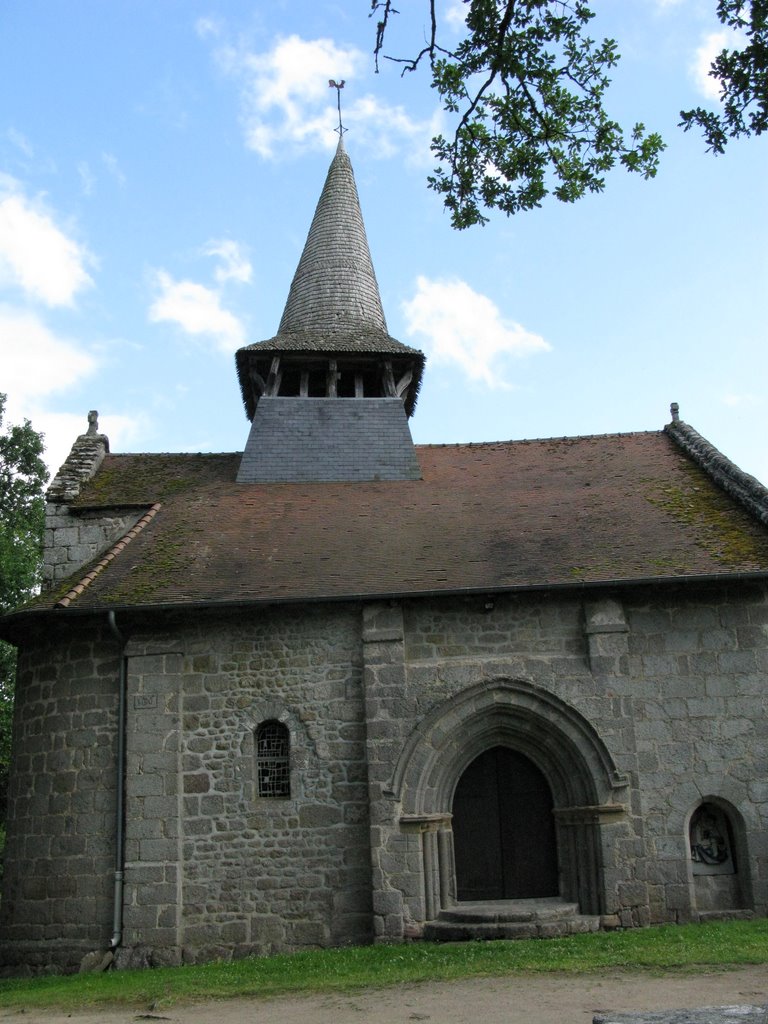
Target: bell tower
(330,395)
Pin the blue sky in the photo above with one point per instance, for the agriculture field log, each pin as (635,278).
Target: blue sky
(160,161)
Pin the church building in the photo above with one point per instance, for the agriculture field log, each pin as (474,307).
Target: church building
(339,688)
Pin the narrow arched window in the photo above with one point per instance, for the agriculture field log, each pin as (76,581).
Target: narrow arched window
(273,759)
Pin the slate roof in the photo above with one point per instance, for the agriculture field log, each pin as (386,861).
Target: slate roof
(484,518)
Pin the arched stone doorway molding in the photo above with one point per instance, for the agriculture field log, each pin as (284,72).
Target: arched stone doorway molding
(586,786)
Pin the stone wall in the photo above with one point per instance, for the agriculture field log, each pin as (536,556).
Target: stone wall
(73,538)
(697,670)
(59,858)
(638,707)
(451,667)
(212,868)
(670,680)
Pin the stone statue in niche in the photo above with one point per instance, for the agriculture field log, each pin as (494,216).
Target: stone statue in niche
(711,851)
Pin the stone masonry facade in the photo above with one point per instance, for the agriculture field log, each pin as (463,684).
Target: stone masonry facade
(60,856)
(637,706)
(72,536)
(212,868)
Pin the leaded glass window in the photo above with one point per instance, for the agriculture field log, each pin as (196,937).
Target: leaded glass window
(273,759)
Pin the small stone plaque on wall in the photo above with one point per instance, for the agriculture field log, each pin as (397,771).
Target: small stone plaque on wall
(145,701)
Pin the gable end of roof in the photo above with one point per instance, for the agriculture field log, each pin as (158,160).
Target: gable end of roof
(746,489)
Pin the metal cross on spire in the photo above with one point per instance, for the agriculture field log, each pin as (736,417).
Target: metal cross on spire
(338,86)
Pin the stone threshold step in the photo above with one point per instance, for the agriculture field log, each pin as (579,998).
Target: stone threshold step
(451,931)
(522,911)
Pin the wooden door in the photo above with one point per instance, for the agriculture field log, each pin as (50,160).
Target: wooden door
(503,830)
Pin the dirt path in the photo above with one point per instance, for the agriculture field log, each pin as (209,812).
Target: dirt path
(542,999)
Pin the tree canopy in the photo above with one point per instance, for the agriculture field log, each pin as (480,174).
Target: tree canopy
(743,77)
(525,89)
(22,511)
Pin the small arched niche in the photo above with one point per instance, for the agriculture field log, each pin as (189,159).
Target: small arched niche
(718,858)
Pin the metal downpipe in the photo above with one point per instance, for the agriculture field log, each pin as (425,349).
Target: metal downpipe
(119,882)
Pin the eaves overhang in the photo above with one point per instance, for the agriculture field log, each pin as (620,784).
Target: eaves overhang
(24,617)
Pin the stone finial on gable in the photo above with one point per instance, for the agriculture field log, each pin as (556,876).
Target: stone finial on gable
(93,424)
(81,464)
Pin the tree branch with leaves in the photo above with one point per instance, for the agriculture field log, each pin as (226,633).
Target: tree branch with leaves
(23,475)
(525,88)
(742,74)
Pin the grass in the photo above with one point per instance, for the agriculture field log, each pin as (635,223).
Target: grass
(689,947)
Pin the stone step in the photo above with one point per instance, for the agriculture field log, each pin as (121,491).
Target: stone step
(514,911)
(509,919)
(449,931)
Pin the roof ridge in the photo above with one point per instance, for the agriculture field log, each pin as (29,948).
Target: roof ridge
(172,455)
(746,489)
(542,440)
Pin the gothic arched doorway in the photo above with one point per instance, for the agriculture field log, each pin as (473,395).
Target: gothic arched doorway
(503,829)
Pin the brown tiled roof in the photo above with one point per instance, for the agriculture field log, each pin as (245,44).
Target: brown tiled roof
(485,517)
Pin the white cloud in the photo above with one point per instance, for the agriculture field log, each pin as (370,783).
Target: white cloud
(456,14)
(711,45)
(285,93)
(42,364)
(41,361)
(286,100)
(111,163)
(20,141)
(207,27)
(462,326)
(35,254)
(87,178)
(389,130)
(735,400)
(61,429)
(235,266)
(197,310)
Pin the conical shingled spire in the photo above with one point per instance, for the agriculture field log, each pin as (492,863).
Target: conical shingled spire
(333,314)
(329,396)
(334,287)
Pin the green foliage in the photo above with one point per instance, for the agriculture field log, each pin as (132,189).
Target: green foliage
(524,89)
(743,77)
(22,513)
(343,970)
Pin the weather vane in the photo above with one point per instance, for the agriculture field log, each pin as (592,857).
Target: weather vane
(338,86)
